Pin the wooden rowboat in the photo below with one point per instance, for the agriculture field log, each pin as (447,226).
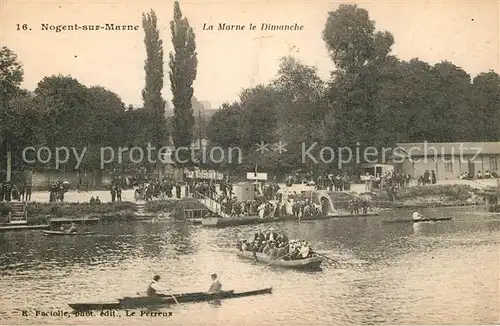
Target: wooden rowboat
(141,302)
(306,263)
(46,232)
(437,219)
(230,221)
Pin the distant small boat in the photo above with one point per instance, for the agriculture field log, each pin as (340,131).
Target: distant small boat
(65,233)
(305,263)
(230,221)
(339,215)
(437,219)
(138,302)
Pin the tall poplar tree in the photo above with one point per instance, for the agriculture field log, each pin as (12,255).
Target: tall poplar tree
(183,67)
(151,95)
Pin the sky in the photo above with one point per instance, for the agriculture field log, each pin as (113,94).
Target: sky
(463,32)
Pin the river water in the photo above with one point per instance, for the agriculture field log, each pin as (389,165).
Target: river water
(428,273)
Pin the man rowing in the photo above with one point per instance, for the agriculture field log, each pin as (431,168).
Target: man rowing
(216,285)
(72,228)
(154,287)
(417,216)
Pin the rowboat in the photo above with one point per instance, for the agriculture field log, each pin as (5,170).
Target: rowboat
(341,215)
(230,221)
(140,302)
(306,263)
(65,233)
(436,219)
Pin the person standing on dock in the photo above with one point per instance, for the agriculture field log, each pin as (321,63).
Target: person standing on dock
(113,193)
(119,193)
(216,285)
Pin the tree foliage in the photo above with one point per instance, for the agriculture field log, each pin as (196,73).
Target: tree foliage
(183,69)
(155,125)
(372,99)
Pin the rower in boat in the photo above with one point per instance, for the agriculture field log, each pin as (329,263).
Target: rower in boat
(417,216)
(154,287)
(259,236)
(216,286)
(72,228)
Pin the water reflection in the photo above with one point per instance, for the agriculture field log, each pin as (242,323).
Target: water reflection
(387,274)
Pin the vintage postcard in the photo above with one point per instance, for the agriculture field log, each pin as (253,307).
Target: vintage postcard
(249,162)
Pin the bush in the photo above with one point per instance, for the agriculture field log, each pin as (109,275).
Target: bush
(77,209)
(434,193)
(4,209)
(495,208)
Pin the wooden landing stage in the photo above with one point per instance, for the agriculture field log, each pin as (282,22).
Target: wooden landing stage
(81,220)
(21,227)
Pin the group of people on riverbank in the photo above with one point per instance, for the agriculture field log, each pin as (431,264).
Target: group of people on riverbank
(11,191)
(393,178)
(427,178)
(276,245)
(304,208)
(159,189)
(57,190)
(330,182)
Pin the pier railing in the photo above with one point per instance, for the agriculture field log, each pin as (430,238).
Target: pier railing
(211,204)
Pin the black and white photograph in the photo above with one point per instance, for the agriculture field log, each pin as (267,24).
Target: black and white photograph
(249,162)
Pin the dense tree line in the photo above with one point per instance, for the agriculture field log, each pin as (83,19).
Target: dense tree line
(62,112)
(372,99)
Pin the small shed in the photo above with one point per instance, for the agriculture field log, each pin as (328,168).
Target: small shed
(244,191)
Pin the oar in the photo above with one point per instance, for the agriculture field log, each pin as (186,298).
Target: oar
(331,259)
(278,259)
(167,295)
(173,297)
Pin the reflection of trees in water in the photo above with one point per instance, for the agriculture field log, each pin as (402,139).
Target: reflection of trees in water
(113,244)
(167,239)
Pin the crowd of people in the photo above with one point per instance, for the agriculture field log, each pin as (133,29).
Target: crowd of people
(20,191)
(394,177)
(427,178)
(276,245)
(57,190)
(479,175)
(261,205)
(330,182)
(156,188)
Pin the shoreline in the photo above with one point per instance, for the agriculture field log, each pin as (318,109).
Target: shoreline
(82,212)
(77,206)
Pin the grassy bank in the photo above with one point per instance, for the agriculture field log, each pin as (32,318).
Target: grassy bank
(425,196)
(39,212)
(494,209)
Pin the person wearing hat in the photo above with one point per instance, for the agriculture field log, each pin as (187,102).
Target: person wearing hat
(271,235)
(259,236)
(216,285)
(154,287)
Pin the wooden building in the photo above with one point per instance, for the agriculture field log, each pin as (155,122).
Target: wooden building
(447,160)
(244,191)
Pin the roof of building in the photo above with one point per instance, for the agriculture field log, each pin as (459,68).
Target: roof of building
(464,148)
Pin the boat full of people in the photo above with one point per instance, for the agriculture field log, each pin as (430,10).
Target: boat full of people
(275,249)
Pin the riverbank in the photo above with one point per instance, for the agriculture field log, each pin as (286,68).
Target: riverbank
(39,213)
(447,195)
